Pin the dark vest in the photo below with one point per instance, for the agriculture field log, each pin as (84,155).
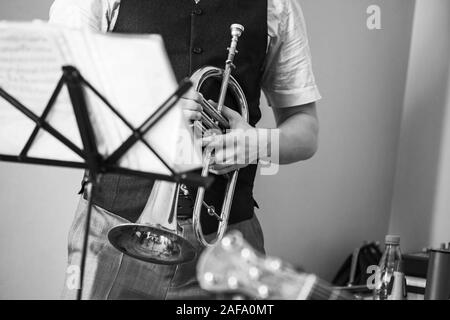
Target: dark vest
(196,35)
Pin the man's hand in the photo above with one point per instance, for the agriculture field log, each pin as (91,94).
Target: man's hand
(231,150)
(295,139)
(192,107)
(234,150)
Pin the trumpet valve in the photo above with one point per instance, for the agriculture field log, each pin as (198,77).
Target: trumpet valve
(212,211)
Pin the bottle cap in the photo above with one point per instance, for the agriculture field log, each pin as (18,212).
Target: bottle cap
(392,239)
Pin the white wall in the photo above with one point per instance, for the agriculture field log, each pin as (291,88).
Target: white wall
(36,208)
(24,9)
(420,204)
(313,213)
(441,212)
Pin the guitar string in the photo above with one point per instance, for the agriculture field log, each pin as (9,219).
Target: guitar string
(323,291)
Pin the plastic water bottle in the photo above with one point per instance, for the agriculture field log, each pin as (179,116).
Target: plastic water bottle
(389,269)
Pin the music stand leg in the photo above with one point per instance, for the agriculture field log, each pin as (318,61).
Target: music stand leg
(90,186)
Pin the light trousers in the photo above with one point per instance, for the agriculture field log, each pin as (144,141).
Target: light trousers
(109,274)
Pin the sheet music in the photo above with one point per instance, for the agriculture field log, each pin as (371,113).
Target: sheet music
(137,78)
(30,66)
(133,72)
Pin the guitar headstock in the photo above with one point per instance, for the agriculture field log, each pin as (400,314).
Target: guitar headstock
(234,266)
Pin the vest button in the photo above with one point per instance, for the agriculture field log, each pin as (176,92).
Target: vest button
(198,12)
(197,50)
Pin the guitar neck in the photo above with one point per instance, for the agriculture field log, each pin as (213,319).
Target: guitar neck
(233,266)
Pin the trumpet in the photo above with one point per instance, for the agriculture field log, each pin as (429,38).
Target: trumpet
(154,237)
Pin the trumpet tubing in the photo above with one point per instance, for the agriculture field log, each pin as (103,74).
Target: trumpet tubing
(154,237)
(228,82)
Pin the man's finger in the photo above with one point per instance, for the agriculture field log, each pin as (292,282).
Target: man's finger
(193,95)
(225,156)
(229,113)
(213,141)
(192,115)
(212,102)
(191,105)
(223,169)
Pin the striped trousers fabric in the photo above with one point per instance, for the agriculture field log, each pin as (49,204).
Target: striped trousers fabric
(109,274)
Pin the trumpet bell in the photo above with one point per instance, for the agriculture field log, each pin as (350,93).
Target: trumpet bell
(151,244)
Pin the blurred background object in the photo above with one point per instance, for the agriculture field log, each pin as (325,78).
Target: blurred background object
(438,275)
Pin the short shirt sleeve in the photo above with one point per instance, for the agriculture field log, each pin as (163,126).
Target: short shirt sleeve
(288,78)
(94,15)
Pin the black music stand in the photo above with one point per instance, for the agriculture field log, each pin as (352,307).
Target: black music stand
(93,161)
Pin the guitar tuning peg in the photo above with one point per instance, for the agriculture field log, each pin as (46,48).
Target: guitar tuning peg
(263,291)
(226,242)
(232,282)
(274,264)
(254,273)
(232,239)
(245,253)
(209,277)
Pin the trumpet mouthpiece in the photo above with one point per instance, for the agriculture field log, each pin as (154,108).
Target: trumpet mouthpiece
(237,30)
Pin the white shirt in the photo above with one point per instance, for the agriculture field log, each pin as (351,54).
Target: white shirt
(288,77)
